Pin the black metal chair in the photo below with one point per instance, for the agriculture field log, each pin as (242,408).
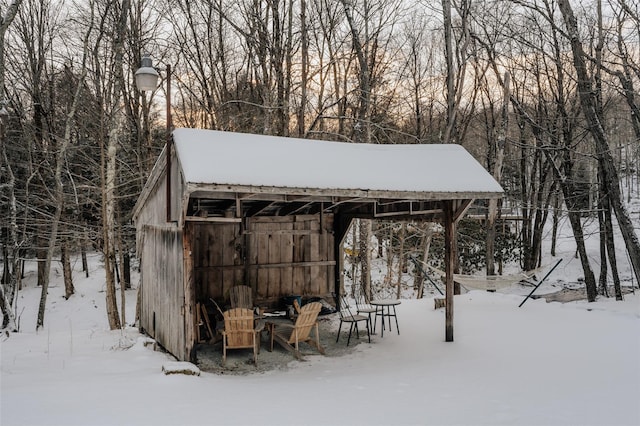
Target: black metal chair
(346,315)
(363,307)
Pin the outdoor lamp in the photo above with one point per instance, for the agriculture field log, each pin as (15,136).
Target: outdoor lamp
(146,76)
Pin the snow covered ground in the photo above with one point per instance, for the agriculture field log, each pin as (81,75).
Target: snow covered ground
(541,364)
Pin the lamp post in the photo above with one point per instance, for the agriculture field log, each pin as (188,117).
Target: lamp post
(147,79)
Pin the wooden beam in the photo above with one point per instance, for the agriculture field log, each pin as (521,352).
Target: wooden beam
(209,190)
(268,265)
(460,208)
(213,219)
(284,232)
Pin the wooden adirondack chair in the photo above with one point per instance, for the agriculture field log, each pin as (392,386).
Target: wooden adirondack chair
(239,332)
(241,296)
(289,336)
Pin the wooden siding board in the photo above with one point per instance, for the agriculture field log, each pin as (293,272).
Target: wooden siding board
(273,274)
(238,252)
(315,272)
(298,273)
(286,257)
(262,258)
(212,250)
(227,238)
(163,289)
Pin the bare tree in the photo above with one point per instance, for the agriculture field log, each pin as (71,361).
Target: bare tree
(605,159)
(58,189)
(492,213)
(9,281)
(110,156)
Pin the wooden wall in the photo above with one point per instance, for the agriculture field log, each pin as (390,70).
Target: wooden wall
(162,289)
(217,259)
(290,255)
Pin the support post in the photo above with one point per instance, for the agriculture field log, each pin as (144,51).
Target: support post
(169,143)
(340,228)
(189,318)
(449,259)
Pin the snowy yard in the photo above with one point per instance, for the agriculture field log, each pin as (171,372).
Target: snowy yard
(544,363)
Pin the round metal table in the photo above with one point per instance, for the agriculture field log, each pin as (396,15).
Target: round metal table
(380,305)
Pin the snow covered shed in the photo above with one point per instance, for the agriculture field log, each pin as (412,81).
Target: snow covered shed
(272,213)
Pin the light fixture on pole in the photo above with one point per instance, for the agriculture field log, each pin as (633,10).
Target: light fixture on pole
(147,79)
(146,76)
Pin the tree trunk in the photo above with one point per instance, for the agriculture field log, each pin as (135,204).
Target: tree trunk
(401,259)
(126,269)
(610,247)
(448,46)
(425,245)
(123,284)
(109,181)
(304,65)
(556,218)
(602,280)
(83,254)
(578,234)
(355,258)
(59,189)
(362,127)
(386,236)
(611,252)
(66,270)
(497,174)
(41,254)
(55,222)
(365,256)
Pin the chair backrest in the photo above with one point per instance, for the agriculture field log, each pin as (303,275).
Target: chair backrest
(307,317)
(345,308)
(361,300)
(240,296)
(238,327)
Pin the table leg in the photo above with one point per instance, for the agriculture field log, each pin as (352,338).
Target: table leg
(395,315)
(389,316)
(381,319)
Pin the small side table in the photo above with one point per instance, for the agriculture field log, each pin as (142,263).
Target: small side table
(380,305)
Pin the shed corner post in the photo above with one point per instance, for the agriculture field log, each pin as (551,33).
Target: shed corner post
(341,226)
(189,293)
(449,259)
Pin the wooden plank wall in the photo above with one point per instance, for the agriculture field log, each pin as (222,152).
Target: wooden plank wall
(285,256)
(217,260)
(162,288)
(290,255)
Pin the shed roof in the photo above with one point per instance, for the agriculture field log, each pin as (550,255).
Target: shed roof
(225,158)
(234,175)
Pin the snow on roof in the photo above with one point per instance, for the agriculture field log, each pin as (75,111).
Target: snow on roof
(209,156)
